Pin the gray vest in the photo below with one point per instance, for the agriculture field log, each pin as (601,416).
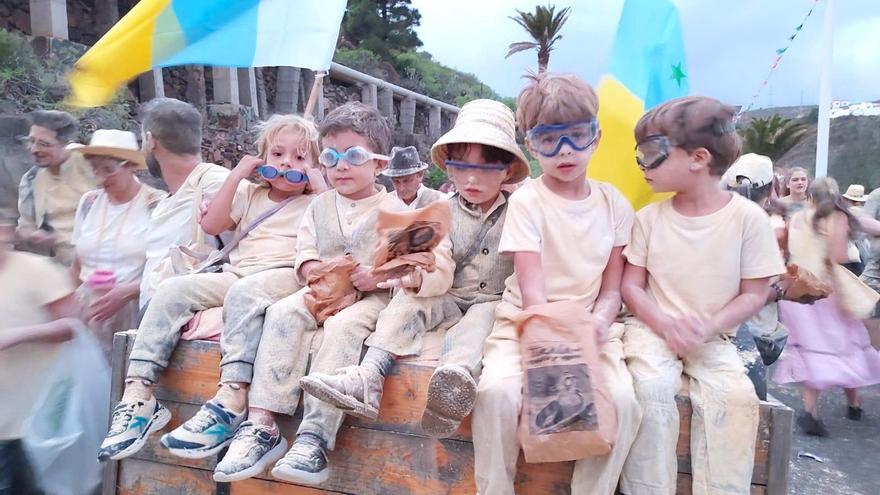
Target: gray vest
(330,240)
(480,279)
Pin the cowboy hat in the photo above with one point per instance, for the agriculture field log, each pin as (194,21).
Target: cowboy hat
(404,161)
(115,144)
(485,122)
(855,192)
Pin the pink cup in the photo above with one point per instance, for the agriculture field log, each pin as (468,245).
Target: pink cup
(101,280)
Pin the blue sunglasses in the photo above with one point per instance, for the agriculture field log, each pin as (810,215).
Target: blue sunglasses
(292,176)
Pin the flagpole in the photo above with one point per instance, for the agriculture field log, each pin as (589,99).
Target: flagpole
(825,70)
(317,86)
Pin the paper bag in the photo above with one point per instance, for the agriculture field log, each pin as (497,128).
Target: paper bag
(407,238)
(567,412)
(330,288)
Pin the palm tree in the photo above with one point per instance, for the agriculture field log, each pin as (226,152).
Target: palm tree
(772,136)
(543,26)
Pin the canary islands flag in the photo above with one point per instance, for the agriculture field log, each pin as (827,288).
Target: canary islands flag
(228,33)
(647,67)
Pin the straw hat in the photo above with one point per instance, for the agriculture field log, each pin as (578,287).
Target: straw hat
(485,122)
(404,161)
(757,168)
(115,144)
(855,192)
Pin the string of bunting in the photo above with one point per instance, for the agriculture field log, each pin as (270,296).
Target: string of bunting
(779,54)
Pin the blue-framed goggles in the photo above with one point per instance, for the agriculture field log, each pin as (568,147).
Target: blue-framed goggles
(293,176)
(547,140)
(482,167)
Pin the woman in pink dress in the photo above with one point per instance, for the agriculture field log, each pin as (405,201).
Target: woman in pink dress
(828,345)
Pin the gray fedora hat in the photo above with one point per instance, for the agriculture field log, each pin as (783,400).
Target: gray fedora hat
(404,161)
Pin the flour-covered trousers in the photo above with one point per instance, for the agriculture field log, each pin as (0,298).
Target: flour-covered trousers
(244,300)
(283,357)
(402,326)
(499,398)
(723,425)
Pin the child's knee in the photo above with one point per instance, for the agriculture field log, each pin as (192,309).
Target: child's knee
(502,393)
(739,392)
(661,387)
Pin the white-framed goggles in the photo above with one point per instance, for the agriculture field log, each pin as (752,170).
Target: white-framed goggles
(355,155)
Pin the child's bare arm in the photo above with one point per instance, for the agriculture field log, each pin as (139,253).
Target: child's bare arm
(838,238)
(65,313)
(752,297)
(530,275)
(216,219)
(636,298)
(608,302)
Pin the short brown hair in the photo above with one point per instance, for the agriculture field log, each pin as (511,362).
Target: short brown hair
(457,151)
(176,124)
(360,119)
(695,122)
(555,99)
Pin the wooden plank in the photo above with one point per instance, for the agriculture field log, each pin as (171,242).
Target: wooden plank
(256,486)
(685,486)
(117,384)
(137,477)
(779,459)
(192,373)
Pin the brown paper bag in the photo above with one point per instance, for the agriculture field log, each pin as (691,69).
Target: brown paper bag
(407,238)
(805,286)
(330,288)
(567,412)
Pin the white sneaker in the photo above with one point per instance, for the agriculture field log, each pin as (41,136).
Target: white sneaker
(205,434)
(132,423)
(254,448)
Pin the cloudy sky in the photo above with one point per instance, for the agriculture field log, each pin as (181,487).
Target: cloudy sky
(730,45)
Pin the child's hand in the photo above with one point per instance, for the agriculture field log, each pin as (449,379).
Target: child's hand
(363,280)
(246,166)
(685,334)
(412,280)
(316,180)
(203,209)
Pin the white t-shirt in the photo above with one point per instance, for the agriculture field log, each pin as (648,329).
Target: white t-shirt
(273,242)
(172,222)
(111,236)
(695,264)
(574,237)
(27,284)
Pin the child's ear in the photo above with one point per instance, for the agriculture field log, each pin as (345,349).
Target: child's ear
(702,157)
(380,165)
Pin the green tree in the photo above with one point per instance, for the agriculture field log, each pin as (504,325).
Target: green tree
(772,136)
(381,26)
(544,27)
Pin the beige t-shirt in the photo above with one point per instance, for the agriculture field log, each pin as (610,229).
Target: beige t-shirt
(695,264)
(574,237)
(27,284)
(273,242)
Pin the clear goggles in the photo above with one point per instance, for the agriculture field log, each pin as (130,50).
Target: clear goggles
(355,155)
(652,151)
(485,168)
(547,140)
(292,176)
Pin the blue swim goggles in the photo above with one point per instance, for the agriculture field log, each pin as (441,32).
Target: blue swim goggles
(293,176)
(480,167)
(355,155)
(547,140)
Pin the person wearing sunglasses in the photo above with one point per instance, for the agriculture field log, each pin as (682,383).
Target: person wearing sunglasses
(480,154)
(50,191)
(699,264)
(564,234)
(407,172)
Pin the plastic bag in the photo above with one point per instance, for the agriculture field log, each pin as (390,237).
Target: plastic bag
(69,420)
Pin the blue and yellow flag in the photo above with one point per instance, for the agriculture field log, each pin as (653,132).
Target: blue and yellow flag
(647,67)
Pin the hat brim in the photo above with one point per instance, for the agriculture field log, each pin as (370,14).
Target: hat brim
(134,156)
(388,172)
(481,134)
(855,198)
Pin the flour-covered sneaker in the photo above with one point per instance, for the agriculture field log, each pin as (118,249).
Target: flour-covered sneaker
(452,392)
(132,423)
(205,434)
(305,463)
(357,390)
(253,449)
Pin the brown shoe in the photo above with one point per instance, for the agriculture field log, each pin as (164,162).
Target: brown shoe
(356,390)
(452,392)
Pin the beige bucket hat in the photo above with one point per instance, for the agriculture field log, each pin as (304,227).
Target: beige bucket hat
(855,192)
(487,122)
(115,144)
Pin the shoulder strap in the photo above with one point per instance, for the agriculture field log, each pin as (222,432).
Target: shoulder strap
(89,201)
(490,222)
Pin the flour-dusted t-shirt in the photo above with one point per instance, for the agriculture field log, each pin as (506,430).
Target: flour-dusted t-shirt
(273,242)
(574,237)
(172,222)
(695,264)
(111,236)
(27,284)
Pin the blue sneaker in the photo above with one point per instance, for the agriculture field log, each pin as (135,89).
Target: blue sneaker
(132,424)
(205,434)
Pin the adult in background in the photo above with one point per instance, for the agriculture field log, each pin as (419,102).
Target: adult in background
(109,235)
(859,247)
(172,143)
(871,273)
(50,191)
(407,172)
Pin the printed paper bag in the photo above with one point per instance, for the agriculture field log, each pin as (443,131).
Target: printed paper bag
(567,413)
(407,238)
(330,288)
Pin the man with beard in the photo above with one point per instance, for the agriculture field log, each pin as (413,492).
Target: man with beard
(172,140)
(49,192)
